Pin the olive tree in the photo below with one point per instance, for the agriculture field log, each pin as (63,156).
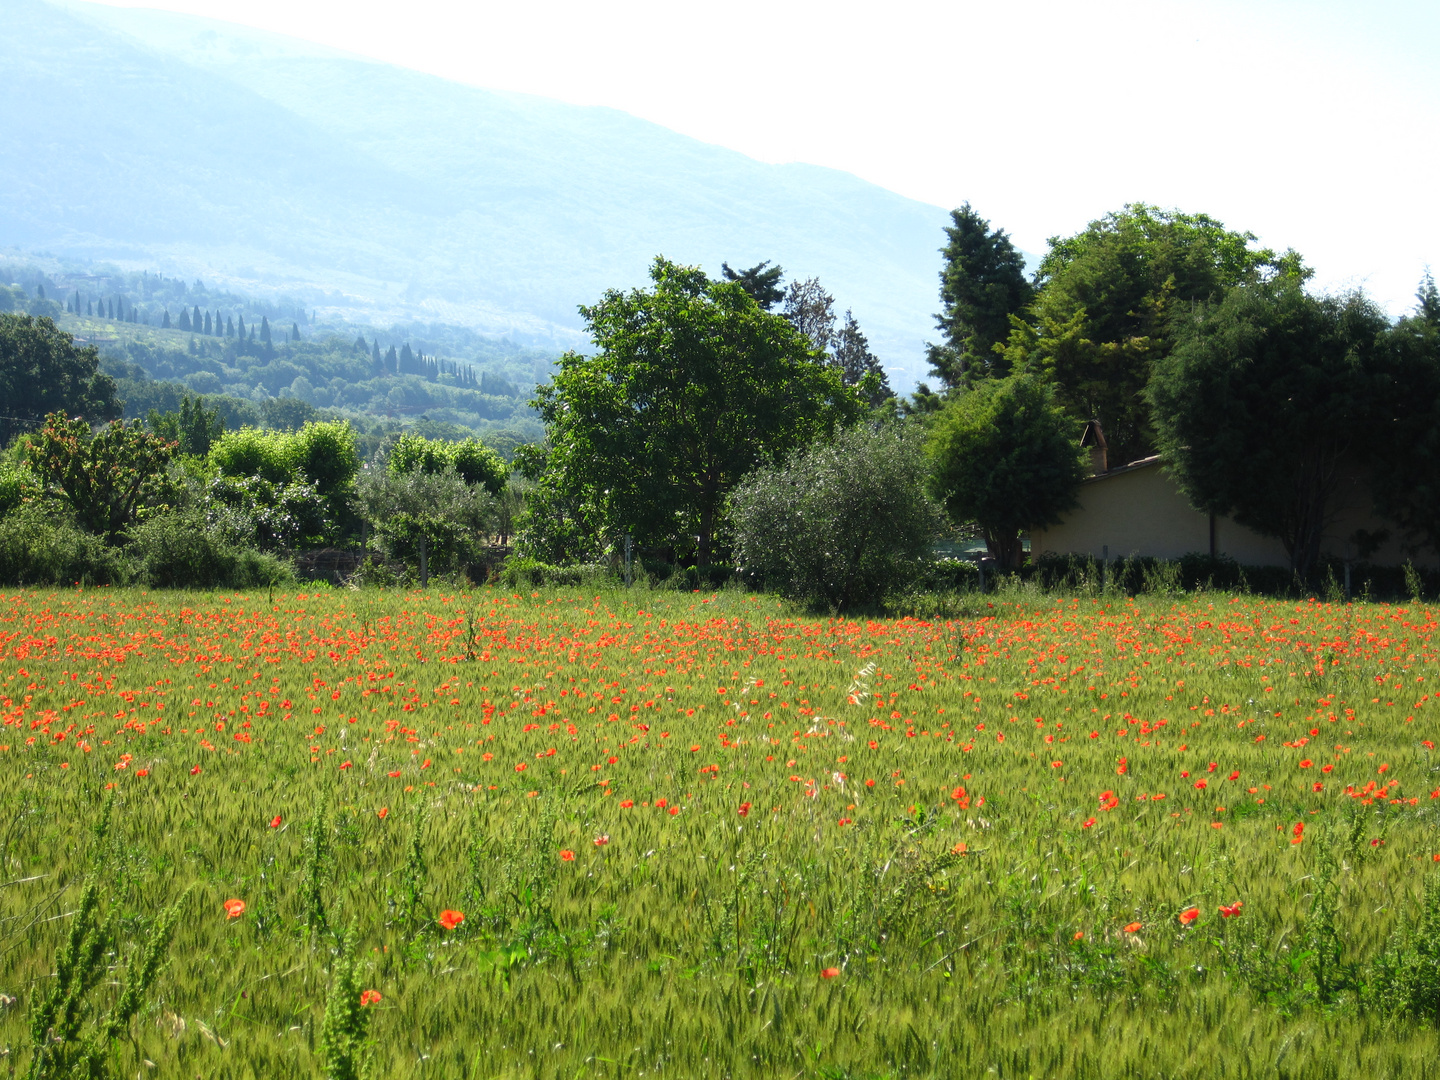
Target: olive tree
(843,521)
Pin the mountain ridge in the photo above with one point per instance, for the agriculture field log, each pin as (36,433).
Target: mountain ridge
(414,196)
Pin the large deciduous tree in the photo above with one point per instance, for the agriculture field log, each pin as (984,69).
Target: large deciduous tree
(1005,456)
(41,371)
(1107,303)
(982,284)
(691,385)
(1263,402)
(1404,443)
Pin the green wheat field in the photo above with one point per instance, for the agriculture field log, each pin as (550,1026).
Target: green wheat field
(639,833)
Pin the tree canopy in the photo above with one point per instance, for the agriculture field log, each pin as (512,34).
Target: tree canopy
(844,521)
(41,371)
(1006,456)
(691,385)
(1107,302)
(982,284)
(1267,397)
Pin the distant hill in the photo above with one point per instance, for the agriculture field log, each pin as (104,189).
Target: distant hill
(381,194)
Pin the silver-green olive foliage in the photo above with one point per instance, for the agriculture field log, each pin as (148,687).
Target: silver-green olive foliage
(1006,456)
(843,522)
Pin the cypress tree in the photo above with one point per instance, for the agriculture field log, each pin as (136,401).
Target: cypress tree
(109,309)
(392,361)
(184,319)
(375,358)
(407,359)
(195,322)
(165,322)
(206,331)
(40,291)
(229,326)
(240,327)
(89,307)
(294,331)
(252,331)
(265,329)
(360,345)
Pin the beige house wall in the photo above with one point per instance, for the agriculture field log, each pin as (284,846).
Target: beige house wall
(1138,510)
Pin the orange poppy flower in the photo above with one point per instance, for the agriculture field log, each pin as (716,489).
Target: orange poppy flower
(451,919)
(369,997)
(1189,915)
(829,973)
(234,909)
(275,821)
(567,855)
(1130,928)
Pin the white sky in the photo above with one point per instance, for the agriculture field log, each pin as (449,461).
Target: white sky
(1312,123)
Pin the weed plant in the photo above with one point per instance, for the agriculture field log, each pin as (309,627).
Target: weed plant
(606,834)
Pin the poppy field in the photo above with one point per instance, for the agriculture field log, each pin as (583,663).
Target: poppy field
(561,834)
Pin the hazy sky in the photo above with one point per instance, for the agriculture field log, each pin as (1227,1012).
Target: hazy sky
(1312,123)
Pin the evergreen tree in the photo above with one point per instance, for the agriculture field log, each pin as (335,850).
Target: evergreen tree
(195,322)
(361,345)
(392,361)
(90,307)
(265,330)
(184,320)
(1428,300)
(229,327)
(763,285)
(165,322)
(240,327)
(982,284)
(207,331)
(858,365)
(375,358)
(407,360)
(110,309)
(252,331)
(40,291)
(294,331)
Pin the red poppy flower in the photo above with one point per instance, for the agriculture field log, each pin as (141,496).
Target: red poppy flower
(627,804)
(602,839)
(234,909)
(383,813)
(1306,763)
(829,973)
(744,809)
(450,919)
(1131,928)
(1230,911)
(1189,915)
(195,770)
(393,773)
(567,855)
(369,997)
(1297,834)
(275,822)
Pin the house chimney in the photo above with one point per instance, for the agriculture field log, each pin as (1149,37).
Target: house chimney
(1094,441)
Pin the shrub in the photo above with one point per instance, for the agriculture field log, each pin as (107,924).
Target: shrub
(843,522)
(39,545)
(181,550)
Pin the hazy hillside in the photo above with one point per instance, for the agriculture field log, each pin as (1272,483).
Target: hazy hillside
(204,148)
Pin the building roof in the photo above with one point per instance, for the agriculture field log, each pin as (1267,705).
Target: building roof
(1143,463)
